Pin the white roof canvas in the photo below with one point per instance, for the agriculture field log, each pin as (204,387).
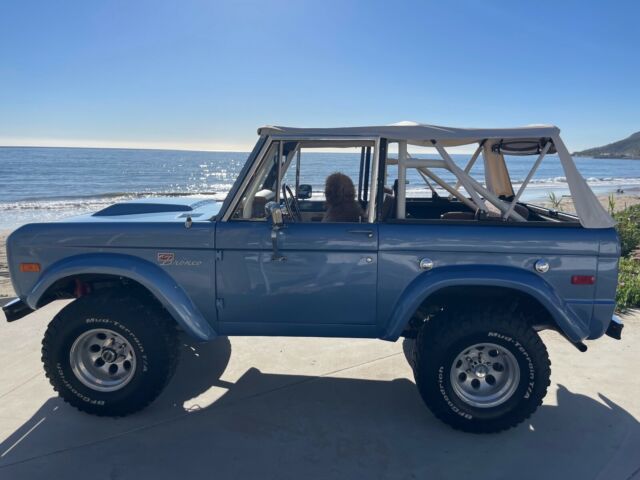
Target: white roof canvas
(421,134)
(588,209)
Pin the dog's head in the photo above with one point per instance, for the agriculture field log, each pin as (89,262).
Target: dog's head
(339,189)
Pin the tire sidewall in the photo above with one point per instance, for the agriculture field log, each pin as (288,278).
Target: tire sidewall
(75,391)
(439,378)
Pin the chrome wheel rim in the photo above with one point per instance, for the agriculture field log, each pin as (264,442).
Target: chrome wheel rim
(485,375)
(102,360)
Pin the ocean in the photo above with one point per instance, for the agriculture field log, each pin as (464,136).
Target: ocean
(40,184)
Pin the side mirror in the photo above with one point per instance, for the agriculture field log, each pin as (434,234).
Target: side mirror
(303,192)
(274,212)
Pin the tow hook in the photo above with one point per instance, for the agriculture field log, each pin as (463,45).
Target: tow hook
(615,328)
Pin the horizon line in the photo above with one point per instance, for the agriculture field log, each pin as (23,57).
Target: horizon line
(173,149)
(123,145)
(461,150)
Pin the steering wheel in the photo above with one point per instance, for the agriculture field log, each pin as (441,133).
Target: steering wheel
(291,202)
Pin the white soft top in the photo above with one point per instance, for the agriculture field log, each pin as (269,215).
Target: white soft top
(588,209)
(421,134)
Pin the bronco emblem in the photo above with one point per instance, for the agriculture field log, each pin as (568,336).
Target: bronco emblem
(165,258)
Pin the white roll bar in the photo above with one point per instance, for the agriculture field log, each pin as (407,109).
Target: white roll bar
(479,193)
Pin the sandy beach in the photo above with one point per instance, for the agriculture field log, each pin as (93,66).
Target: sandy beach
(622,201)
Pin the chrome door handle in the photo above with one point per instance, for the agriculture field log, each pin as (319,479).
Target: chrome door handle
(368,233)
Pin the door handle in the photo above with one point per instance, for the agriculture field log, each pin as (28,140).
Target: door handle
(368,233)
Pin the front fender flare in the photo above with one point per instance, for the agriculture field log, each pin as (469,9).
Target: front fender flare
(164,288)
(529,283)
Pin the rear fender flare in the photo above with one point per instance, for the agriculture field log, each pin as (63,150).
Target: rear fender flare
(529,283)
(164,288)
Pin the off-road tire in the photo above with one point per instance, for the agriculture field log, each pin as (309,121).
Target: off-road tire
(409,350)
(442,339)
(148,328)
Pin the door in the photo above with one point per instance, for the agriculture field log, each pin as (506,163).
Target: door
(325,284)
(323,281)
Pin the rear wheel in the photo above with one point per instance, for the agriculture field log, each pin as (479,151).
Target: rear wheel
(481,371)
(110,355)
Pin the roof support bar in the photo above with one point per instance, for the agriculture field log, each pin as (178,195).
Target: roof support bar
(279,171)
(428,173)
(527,179)
(471,162)
(473,187)
(495,201)
(298,150)
(365,179)
(462,177)
(382,167)
(371,206)
(434,194)
(402,180)
(361,174)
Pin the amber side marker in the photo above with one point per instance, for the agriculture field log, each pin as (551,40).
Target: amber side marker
(30,267)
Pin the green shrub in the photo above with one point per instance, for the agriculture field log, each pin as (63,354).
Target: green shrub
(628,228)
(628,295)
(555,200)
(612,203)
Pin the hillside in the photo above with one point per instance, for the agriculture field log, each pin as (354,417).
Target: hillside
(627,148)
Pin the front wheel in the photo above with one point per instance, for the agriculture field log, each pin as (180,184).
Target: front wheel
(481,371)
(110,355)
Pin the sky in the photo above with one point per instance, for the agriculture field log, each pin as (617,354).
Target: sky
(203,74)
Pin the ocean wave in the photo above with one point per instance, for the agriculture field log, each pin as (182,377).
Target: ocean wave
(83,203)
(600,181)
(117,195)
(559,182)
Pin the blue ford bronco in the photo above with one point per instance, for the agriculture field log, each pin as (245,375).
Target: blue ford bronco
(460,266)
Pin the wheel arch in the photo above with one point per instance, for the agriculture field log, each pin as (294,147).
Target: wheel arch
(115,270)
(485,283)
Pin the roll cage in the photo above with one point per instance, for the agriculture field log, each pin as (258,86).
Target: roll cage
(495,197)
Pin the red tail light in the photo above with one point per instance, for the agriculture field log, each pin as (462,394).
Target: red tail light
(583,279)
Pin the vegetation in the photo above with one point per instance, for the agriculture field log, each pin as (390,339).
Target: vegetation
(629,274)
(627,148)
(628,295)
(555,200)
(612,203)
(628,228)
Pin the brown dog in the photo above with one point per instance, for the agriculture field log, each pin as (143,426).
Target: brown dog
(341,200)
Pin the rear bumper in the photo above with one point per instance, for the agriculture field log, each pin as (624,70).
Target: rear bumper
(614,330)
(16,309)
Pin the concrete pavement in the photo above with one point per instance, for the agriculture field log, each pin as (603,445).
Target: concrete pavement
(316,408)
